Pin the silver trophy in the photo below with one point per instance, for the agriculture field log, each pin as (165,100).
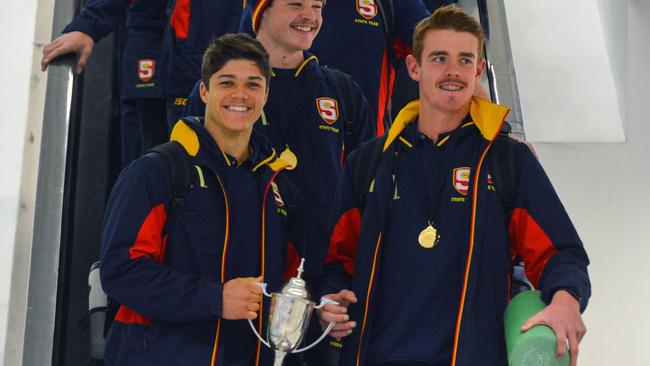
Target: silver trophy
(289,317)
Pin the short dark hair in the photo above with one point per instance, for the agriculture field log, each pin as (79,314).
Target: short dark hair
(234,47)
(448,17)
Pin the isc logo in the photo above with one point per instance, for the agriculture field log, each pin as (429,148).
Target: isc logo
(328,109)
(461,180)
(367,8)
(146,69)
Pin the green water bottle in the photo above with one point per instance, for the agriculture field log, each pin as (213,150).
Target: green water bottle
(537,346)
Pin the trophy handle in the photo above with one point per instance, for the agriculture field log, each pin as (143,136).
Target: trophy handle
(323,301)
(266,343)
(263,287)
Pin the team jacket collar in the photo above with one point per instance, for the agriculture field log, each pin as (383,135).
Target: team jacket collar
(191,134)
(309,62)
(487,116)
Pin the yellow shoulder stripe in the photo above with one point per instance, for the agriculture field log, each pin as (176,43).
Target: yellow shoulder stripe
(186,137)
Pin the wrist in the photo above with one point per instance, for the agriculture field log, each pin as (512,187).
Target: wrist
(567,296)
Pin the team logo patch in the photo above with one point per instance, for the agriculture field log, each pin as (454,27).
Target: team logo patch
(328,109)
(276,195)
(461,180)
(367,8)
(146,69)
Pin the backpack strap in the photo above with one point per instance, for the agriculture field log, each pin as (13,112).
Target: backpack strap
(505,165)
(178,165)
(385,8)
(343,86)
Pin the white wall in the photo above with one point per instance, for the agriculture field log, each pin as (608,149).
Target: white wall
(566,87)
(17,32)
(606,189)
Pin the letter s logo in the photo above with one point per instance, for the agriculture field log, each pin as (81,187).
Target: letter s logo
(328,109)
(146,69)
(367,8)
(461,180)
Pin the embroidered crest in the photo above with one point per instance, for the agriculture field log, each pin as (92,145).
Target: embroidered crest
(146,69)
(328,109)
(461,180)
(367,9)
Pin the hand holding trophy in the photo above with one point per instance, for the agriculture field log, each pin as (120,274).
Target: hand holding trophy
(289,316)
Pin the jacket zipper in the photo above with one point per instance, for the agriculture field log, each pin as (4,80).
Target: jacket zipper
(368,294)
(223,265)
(470,253)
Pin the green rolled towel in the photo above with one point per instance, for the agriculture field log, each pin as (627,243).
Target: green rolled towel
(537,346)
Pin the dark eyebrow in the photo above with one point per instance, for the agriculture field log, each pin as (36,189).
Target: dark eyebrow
(468,54)
(231,76)
(438,53)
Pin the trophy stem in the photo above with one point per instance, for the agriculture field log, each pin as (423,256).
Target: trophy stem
(279,358)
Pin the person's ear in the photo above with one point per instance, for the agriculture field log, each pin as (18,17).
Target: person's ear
(480,68)
(203,91)
(413,67)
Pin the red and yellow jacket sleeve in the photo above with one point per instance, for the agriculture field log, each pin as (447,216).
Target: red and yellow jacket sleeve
(133,254)
(542,234)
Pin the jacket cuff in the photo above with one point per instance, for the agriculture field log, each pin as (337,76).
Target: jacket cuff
(80,25)
(215,298)
(547,296)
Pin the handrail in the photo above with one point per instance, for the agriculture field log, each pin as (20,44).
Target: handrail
(500,69)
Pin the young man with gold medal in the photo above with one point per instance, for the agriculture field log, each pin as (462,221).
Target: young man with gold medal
(420,257)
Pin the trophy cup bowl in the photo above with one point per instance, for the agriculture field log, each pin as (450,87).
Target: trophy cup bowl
(289,316)
(288,320)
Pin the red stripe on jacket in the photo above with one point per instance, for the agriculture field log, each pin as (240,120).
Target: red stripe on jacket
(385,91)
(531,242)
(149,243)
(344,240)
(180,19)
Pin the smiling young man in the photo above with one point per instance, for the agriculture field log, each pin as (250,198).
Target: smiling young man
(425,244)
(187,278)
(318,114)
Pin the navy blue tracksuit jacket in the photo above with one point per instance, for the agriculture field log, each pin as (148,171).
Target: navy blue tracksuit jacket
(374,247)
(168,270)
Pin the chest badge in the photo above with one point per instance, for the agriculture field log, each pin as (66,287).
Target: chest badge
(146,69)
(461,180)
(367,8)
(328,109)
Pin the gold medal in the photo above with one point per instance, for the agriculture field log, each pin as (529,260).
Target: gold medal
(290,158)
(428,237)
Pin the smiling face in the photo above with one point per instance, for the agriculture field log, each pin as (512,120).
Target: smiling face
(234,98)
(290,26)
(448,70)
